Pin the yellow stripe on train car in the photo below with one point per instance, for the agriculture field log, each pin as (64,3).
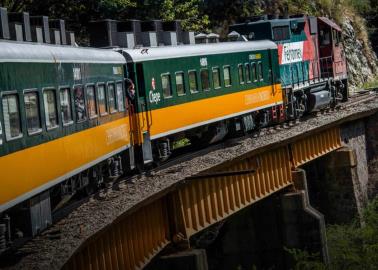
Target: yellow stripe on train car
(172,119)
(29,171)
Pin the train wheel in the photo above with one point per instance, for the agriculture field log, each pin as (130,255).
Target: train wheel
(300,105)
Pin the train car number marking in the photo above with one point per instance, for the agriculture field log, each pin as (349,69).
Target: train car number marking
(256,97)
(77,74)
(203,62)
(255,56)
(116,134)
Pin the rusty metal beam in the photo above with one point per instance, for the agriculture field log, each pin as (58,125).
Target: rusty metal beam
(128,244)
(314,146)
(212,199)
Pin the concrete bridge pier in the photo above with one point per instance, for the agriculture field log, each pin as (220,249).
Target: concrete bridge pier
(339,181)
(303,227)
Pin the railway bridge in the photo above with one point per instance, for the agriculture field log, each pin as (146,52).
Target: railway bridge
(156,217)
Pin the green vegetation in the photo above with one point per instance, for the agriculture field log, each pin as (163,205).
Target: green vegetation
(371,83)
(188,12)
(181,143)
(78,13)
(305,261)
(351,246)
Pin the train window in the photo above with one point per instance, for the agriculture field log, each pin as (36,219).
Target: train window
(254,72)
(227,76)
(111,98)
(241,74)
(339,37)
(248,72)
(166,85)
(216,78)
(33,120)
(336,37)
(205,80)
(49,100)
(11,114)
(261,72)
(193,87)
(102,99)
(325,37)
(80,111)
(120,97)
(281,33)
(65,105)
(91,101)
(180,85)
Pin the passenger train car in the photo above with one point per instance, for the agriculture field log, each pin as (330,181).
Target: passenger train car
(202,92)
(64,125)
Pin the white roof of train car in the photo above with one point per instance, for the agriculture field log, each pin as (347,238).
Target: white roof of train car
(167,52)
(45,53)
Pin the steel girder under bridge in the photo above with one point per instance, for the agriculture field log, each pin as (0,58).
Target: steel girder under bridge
(205,199)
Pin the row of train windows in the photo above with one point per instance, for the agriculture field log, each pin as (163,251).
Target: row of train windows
(247,73)
(89,102)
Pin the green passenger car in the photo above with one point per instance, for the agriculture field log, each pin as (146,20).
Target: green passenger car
(63,120)
(201,91)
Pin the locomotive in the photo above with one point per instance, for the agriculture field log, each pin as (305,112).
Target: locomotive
(68,122)
(312,61)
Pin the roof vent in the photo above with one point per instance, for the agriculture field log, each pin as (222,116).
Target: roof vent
(129,34)
(188,38)
(201,38)
(71,40)
(4,26)
(174,26)
(40,29)
(233,36)
(103,33)
(212,38)
(58,30)
(151,33)
(19,24)
(170,38)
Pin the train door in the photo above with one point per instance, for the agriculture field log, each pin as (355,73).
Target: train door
(143,116)
(339,61)
(272,77)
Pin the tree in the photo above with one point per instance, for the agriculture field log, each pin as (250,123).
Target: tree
(189,12)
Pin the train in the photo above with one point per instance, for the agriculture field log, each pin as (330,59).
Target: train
(73,118)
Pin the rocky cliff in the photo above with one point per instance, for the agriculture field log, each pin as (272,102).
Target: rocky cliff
(362,61)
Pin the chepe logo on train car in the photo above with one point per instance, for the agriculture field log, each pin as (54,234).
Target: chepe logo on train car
(154,97)
(292,52)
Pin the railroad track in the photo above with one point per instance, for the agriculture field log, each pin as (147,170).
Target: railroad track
(362,96)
